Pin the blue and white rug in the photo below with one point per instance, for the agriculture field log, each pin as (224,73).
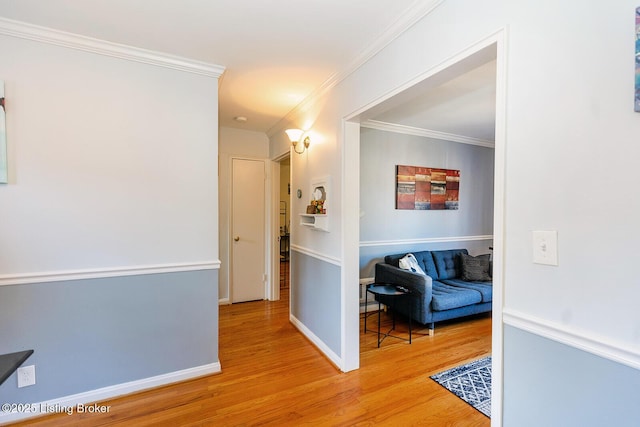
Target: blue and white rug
(470,382)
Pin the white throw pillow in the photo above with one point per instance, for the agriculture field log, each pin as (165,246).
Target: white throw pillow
(409,262)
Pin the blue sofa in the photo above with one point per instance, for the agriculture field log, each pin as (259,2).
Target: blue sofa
(439,295)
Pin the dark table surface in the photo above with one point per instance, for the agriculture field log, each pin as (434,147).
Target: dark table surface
(12,361)
(381,289)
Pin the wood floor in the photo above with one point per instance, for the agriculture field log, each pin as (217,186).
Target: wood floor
(271,375)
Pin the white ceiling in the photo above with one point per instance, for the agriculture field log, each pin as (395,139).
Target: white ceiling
(276,52)
(461,105)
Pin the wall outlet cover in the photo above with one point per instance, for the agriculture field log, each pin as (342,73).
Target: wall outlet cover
(26,376)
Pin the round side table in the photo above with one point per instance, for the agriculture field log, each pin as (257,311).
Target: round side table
(395,293)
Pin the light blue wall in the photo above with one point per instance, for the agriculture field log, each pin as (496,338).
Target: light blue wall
(380,152)
(315,297)
(549,384)
(371,255)
(89,334)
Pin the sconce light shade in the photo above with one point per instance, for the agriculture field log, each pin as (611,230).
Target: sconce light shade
(295,136)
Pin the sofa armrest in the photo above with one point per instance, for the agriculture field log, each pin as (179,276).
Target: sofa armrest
(418,284)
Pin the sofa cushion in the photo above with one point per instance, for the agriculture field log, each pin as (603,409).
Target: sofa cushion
(426,261)
(475,269)
(446,297)
(424,258)
(448,262)
(485,288)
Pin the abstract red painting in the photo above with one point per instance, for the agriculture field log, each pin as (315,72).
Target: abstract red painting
(422,188)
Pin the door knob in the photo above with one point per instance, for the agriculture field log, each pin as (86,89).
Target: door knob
(237,238)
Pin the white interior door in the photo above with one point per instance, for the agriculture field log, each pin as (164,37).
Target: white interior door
(248,230)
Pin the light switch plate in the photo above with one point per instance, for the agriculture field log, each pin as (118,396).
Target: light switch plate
(545,247)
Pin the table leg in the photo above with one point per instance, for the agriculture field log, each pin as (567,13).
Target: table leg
(366,294)
(410,327)
(378,324)
(393,316)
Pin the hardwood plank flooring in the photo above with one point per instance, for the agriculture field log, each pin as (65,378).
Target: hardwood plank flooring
(271,375)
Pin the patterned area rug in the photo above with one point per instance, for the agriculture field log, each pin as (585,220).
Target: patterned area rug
(470,382)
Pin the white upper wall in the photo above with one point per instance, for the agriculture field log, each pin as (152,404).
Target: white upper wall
(240,142)
(113,163)
(571,145)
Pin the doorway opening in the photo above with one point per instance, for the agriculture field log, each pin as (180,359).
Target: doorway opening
(279,228)
(425,137)
(284,223)
(490,49)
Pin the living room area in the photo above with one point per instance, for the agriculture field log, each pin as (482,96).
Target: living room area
(386,230)
(427,165)
(451,158)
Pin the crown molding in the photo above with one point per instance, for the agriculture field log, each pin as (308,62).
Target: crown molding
(418,10)
(428,133)
(50,36)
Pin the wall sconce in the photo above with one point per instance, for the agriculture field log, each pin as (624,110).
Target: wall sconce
(295,136)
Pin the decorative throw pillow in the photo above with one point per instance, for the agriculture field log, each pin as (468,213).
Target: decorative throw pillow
(409,262)
(475,269)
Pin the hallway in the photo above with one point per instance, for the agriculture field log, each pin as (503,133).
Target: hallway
(271,375)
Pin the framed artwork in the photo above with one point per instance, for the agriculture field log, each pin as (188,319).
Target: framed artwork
(3,138)
(637,96)
(423,188)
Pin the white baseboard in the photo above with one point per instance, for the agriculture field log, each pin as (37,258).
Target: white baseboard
(372,304)
(101,394)
(372,307)
(334,358)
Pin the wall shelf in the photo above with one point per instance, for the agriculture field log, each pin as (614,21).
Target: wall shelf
(319,191)
(315,221)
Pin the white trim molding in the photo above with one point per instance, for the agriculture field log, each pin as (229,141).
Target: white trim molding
(330,354)
(70,403)
(371,305)
(99,273)
(407,242)
(427,133)
(317,255)
(583,340)
(40,34)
